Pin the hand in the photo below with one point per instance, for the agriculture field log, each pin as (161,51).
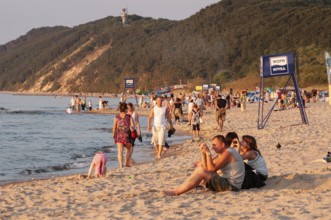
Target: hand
(148,129)
(204,148)
(196,163)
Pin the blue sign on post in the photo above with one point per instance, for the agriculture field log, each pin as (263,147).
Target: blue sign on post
(277,65)
(129,83)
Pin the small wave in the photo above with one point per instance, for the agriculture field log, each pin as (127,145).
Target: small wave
(47,169)
(110,130)
(78,156)
(3,109)
(26,112)
(107,149)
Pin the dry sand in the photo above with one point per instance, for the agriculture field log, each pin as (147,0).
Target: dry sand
(299,186)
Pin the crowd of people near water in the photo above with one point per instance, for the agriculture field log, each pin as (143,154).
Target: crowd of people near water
(237,162)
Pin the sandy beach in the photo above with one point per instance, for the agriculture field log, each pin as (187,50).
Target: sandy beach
(299,184)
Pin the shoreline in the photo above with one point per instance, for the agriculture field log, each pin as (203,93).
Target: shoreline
(298,187)
(112,111)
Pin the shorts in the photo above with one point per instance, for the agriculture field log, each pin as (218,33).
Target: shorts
(220,184)
(196,127)
(220,114)
(159,135)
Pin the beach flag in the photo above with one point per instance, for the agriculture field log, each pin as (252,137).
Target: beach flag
(328,71)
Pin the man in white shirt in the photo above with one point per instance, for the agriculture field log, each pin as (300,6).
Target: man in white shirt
(160,114)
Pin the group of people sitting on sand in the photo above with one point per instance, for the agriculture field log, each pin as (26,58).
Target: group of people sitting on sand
(236,165)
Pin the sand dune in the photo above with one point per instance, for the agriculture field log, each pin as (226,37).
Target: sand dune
(299,186)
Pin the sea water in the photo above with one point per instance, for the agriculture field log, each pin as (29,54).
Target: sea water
(39,140)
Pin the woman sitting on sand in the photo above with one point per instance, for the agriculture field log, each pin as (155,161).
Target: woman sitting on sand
(256,172)
(227,160)
(123,124)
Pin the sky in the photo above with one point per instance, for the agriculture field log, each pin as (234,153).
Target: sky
(17,17)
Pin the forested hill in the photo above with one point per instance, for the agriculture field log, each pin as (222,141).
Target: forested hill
(221,43)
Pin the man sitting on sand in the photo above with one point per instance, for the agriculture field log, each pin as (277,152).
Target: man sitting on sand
(227,160)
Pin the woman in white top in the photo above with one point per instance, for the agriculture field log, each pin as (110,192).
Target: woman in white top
(256,168)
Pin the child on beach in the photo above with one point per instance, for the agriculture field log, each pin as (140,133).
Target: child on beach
(194,120)
(256,172)
(99,165)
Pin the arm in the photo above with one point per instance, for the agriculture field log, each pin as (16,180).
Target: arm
(114,128)
(131,123)
(207,161)
(203,162)
(91,169)
(190,117)
(138,125)
(216,106)
(249,155)
(151,115)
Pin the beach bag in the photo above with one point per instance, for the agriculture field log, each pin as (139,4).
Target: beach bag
(201,120)
(134,134)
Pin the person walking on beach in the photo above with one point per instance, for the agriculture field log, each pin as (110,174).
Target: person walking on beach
(194,120)
(135,118)
(77,104)
(243,99)
(177,110)
(141,100)
(100,103)
(160,115)
(228,100)
(90,105)
(221,106)
(83,103)
(72,103)
(227,160)
(200,103)
(123,125)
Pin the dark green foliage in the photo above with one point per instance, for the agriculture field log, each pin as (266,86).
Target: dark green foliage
(222,43)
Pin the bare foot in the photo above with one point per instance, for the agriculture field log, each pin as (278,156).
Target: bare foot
(168,193)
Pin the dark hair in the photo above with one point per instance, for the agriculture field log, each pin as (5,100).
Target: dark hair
(130,104)
(221,138)
(123,107)
(230,136)
(251,141)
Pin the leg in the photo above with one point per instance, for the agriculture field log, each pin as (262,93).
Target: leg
(160,149)
(128,154)
(221,125)
(217,120)
(194,180)
(120,154)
